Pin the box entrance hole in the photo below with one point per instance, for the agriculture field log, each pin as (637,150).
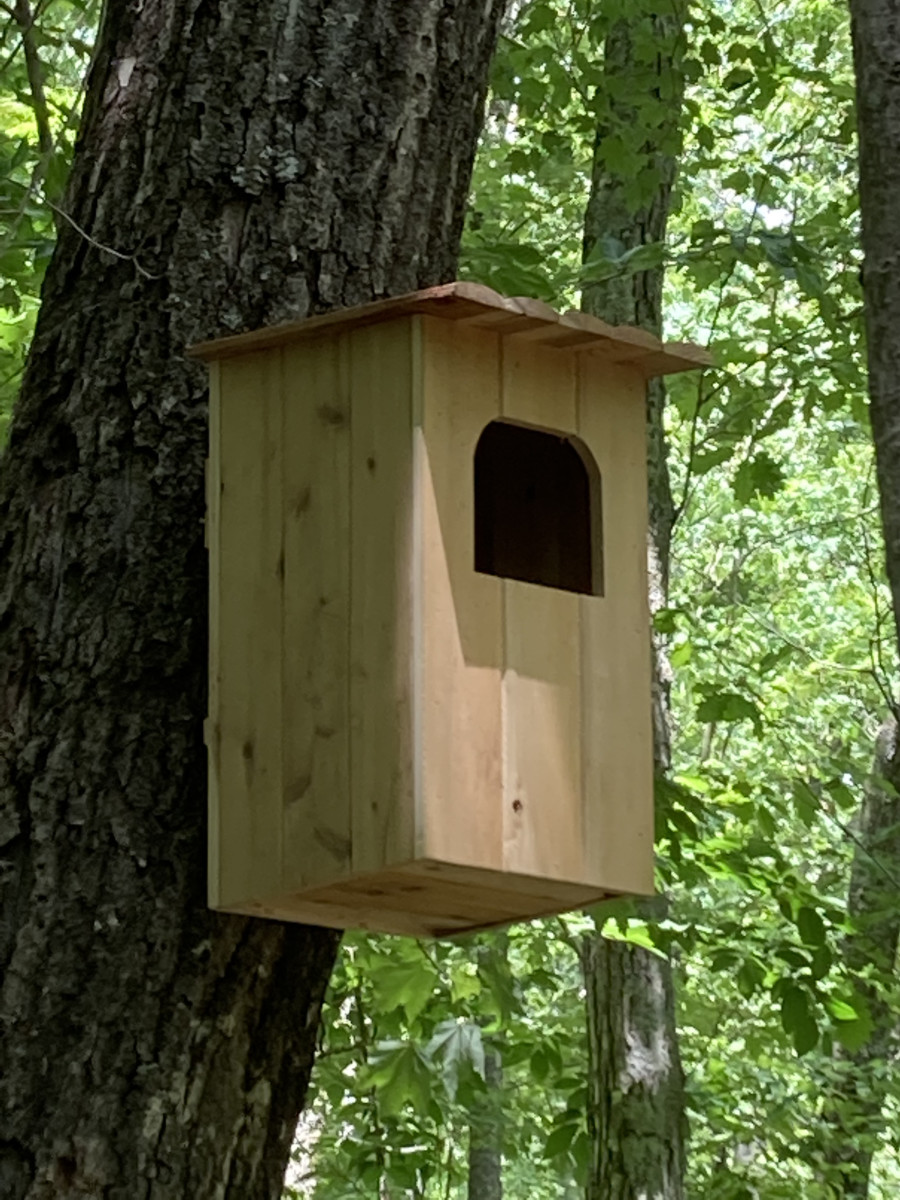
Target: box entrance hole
(538,514)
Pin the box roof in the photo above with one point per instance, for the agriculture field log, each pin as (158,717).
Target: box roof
(475,304)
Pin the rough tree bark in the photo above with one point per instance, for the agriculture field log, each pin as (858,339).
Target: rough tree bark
(485,1178)
(856,1089)
(875,28)
(635,1086)
(636,1115)
(876,55)
(241,162)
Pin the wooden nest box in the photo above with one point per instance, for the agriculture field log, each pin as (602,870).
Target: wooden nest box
(429,637)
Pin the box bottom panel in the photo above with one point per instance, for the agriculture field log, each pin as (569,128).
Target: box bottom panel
(425,898)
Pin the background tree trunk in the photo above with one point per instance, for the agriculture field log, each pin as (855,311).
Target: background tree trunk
(855,1092)
(485,1179)
(635,1088)
(636,1114)
(239,163)
(876,53)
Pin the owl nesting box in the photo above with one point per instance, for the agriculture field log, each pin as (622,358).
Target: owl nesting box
(429,638)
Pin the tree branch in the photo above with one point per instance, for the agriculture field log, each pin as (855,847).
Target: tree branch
(25,20)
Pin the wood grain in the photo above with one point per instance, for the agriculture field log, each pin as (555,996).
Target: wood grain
(459,708)
(316,515)
(542,812)
(246,560)
(381,572)
(617,751)
(473,303)
(398,741)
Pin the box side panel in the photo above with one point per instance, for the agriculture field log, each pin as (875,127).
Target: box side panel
(381,374)
(212,525)
(615,638)
(246,585)
(316,717)
(458,707)
(543,803)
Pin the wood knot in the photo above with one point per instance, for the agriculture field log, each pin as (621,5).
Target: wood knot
(329,415)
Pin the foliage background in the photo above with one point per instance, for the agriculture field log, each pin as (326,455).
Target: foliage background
(778,630)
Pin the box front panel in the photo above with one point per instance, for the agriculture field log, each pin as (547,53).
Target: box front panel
(543,804)
(381,380)
(460,612)
(615,638)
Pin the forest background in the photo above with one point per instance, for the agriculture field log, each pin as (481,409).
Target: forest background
(777,845)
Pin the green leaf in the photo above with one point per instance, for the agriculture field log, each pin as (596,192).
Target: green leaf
(618,908)
(709,53)
(637,933)
(750,976)
(404,983)
(665,620)
(811,927)
(729,706)
(464,982)
(822,959)
(760,476)
(841,1010)
(560,1139)
(702,463)
(9,298)
(680,655)
(806,803)
(620,157)
(854,1034)
(794,1007)
(705,138)
(797,1019)
(737,78)
(779,249)
(501,989)
(456,1044)
(401,1074)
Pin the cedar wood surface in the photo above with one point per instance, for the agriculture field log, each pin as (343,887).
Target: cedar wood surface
(396,741)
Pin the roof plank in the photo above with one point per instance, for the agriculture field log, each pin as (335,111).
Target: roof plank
(476,304)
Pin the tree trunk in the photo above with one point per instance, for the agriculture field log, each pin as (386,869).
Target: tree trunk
(854,1096)
(635,1089)
(876,55)
(486,1135)
(636,1114)
(239,163)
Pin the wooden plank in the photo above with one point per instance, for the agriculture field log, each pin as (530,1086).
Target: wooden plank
(246,560)
(615,639)
(435,897)
(674,361)
(543,822)
(454,301)
(459,744)
(425,898)
(463,301)
(510,890)
(428,899)
(316,507)
(380,366)
(560,336)
(338,914)
(211,726)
